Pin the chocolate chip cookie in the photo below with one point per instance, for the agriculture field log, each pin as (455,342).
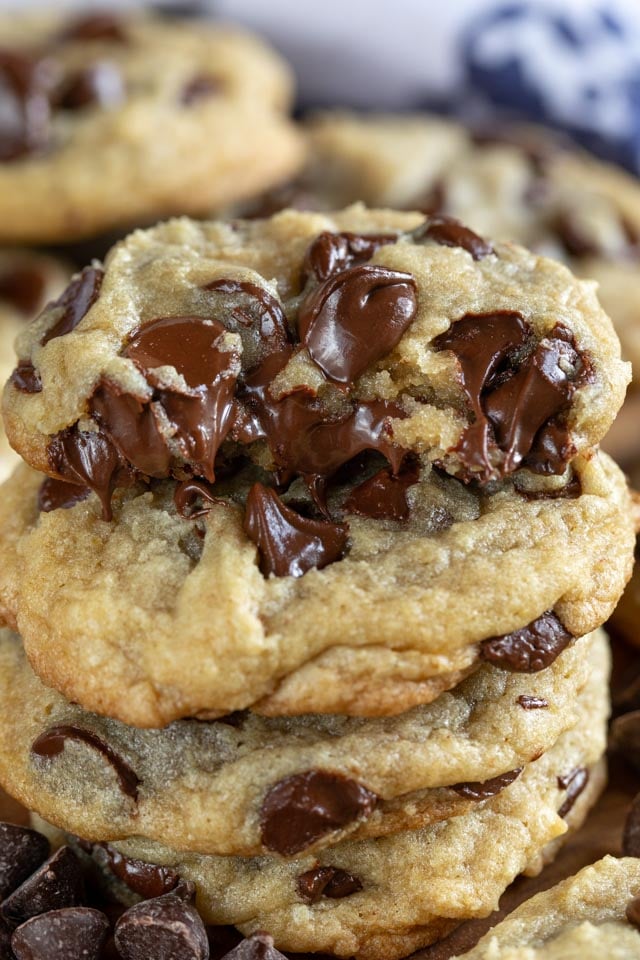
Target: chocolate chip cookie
(209,787)
(110,121)
(592,915)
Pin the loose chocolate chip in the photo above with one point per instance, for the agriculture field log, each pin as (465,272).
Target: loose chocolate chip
(356,317)
(100,25)
(88,459)
(21,852)
(56,884)
(258,946)
(24,105)
(52,742)
(99,85)
(59,495)
(449,232)
(200,87)
(332,253)
(165,928)
(383,496)
(257,317)
(299,810)
(288,543)
(23,286)
(532,703)
(530,649)
(74,303)
(631,832)
(71,933)
(633,912)
(147,880)
(26,378)
(625,736)
(481,790)
(326,882)
(574,783)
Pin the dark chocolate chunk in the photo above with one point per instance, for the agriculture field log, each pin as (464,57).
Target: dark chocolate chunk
(21,852)
(258,946)
(332,253)
(88,459)
(191,498)
(625,736)
(26,378)
(74,303)
(148,880)
(165,928)
(100,25)
(449,232)
(24,105)
(574,783)
(530,649)
(532,703)
(56,884)
(257,317)
(329,882)
(200,87)
(23,286)
(356,317)
(99,85)
(72,933)
(631,832)
(299,810)
(288,543)
(633,912)
(52,742)
(59,495)
(384,496)
(481,790)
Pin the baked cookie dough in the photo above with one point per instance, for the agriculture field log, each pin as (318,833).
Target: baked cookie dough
(395,894)
(115,120)
(589,916)
(208,787)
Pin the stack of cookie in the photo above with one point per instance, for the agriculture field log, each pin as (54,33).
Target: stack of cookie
(308,557)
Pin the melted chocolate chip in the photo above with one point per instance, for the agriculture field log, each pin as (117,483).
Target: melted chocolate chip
(23,286)
(570,491)
(574,783)
(332,253)
(147,880)
(355,318)
(59,495)
(99,85)
(56,884)
(200,87)
(191,498)
(530,649)
(100,25)
(631,832)
(51,743)
(632,912)
(26,378)
(72,932)
(88,459)
(326,882)
(532,703)
(449,232)
(21,852)
(481,790)
(299,810)
(288,543)
(383,496)
(259,946)
(24,105)
(165,928)
(257,317)
(74,303)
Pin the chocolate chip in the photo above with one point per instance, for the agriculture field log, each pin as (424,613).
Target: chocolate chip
(88,459)
(21,852)
(147,880)
(24,105)
(632,912)
(530,649)
(192,498)
(52,742)
(625,736)
(73,933)
(288,543)
(258,946)
(326,882)
(384,496)
(165,928)
(532,703)
(59,495)
(99,85)
(575,241)
(200,87)
(299,810)
(569,491)
(74,303)
(355,318)
(256,316)
(25,378)
(574,783)
(481,790)
(56,884)
(631,831)
(95,26)
(23,286)
(332,253)
(449,232)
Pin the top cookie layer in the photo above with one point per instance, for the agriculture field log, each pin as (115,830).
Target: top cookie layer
(86,106)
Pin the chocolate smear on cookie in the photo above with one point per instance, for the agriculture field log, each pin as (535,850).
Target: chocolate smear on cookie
(450,232)
(384,496)
(165,927)
(481,790)
(530,649)
(301,809)
(52,742)
(329,882)
(67,933)
(289,543)
(21,852)
(574,783)
(332,253)
(57,883)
